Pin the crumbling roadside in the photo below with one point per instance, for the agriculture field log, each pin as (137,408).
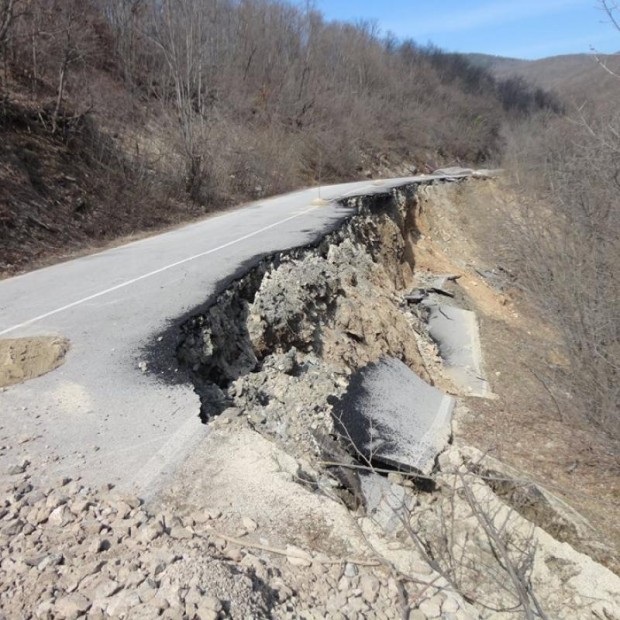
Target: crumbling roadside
(270,517)
(308,323)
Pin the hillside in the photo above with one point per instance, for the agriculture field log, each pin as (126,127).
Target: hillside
(577,78)
(383,399)
(123,117)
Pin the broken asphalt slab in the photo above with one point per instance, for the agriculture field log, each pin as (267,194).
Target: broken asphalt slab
(391,416)
(457,335)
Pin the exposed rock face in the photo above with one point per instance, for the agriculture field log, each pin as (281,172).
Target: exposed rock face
(285,338)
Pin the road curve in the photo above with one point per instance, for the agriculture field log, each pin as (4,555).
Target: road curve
(99,415)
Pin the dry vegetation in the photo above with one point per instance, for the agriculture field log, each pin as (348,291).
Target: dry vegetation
(171,109)
(563,245)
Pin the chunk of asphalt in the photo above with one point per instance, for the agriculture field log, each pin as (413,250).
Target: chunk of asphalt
(456,333)
(392,417)
(453,171)
(437,284)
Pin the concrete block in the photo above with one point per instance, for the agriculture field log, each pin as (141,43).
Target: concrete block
(392,416)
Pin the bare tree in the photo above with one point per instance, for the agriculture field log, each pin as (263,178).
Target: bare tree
(7,14)
(181,32)
(69,54)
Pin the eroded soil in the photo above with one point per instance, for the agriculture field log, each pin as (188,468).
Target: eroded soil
(22,359)
(524,427)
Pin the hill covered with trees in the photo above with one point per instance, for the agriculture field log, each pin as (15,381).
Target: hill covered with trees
(123,115)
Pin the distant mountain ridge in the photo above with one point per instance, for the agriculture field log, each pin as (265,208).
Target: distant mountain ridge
(578,78)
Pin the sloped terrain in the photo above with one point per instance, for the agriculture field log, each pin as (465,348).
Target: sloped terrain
(125,124)
(71,191)
(578,78)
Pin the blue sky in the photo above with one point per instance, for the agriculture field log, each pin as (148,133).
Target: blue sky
(515,28)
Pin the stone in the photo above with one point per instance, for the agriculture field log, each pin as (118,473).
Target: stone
(122,602)
(72,606)
(298,557)
(357,604)
(16,469)
(204,613)
(211,602)
(34,559)
(103,588)
(450,606)
(178,532)
(283,591)
(45,608)
(52,559)
(123,509)
(97,545)
(150,532)
(431,607)
(350,570)
(194,596)
(249,524)
(13,528)
(80,506)
(370,587)
(60,516)
(70,580)
(142,612)
(56,498)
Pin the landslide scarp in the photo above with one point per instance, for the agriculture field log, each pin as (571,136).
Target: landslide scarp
(333,307)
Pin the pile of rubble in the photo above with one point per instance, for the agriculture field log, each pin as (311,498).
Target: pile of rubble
(73,552)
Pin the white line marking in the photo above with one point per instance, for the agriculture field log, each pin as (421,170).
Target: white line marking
(151,273)
(171,454)
(191,258)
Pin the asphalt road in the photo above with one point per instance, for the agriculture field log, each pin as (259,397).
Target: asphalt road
(99,415)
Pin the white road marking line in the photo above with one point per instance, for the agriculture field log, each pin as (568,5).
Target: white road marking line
(172,453)
(152,273)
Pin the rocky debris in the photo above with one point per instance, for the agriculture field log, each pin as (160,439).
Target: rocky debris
(73,552)
(281,346)
(436,284)
(332,308)
(392,417)
(465,527)
(285,338)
